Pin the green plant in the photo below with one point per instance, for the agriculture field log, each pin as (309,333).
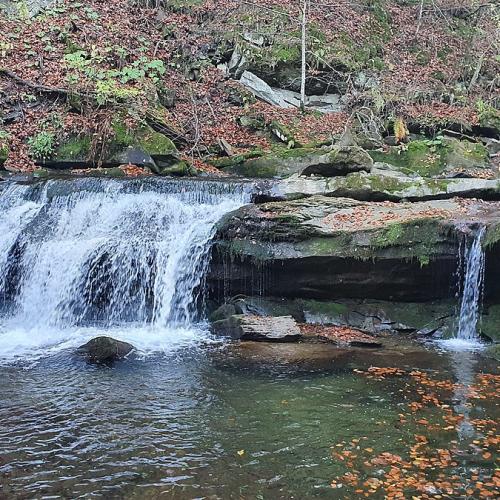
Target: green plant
(42,145)
(109,92)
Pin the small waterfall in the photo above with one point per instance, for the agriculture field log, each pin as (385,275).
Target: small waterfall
(472,287)
(98,252)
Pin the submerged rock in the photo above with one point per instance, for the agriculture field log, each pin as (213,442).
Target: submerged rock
(258,328)
(104,350)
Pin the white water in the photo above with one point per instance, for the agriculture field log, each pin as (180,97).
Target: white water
(89,257)
(473,259)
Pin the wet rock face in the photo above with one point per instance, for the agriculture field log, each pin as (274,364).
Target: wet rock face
(329,248)
(104,350)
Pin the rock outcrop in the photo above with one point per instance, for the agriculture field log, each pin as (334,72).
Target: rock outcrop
(325,248)
(142,146)
(385,183)
(327,162)
(283,98)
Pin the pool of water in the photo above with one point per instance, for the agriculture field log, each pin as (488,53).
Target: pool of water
(212,420)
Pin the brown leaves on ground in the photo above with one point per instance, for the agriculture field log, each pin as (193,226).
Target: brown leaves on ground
(341,335)
(381,214)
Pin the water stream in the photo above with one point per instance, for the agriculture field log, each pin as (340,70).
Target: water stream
(471,277)
(195,418)
(90,255)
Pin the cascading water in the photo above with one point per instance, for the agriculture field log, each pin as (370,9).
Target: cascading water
(84,256)
(472,288)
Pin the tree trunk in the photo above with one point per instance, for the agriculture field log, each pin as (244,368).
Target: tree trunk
(303,75)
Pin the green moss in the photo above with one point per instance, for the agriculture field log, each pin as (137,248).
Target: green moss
(490,323)
(424,158)
(4,153)
(296,153)
(376,183)
(143,137)
(74,148)
(339,244)
(180,169)
(122,135)
(417,239)
(330,309)
(476,151)
(424,260)
(492,236)
(155,143)
(284,134)
(389,236)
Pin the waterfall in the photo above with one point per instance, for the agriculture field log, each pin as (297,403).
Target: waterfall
(472,288)
(99,253)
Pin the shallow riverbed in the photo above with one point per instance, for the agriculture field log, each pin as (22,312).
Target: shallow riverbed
(209,420)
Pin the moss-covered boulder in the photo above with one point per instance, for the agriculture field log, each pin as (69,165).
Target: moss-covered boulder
(442,157)
(326,162)
(139,145)
(490,322)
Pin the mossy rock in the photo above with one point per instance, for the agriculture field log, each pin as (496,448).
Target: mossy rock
(4,153)
(74,149)
(147,147)
(143,137)
(233,161)
(327,162)
(284,134)
(179,169)
(490,322)
(430,158)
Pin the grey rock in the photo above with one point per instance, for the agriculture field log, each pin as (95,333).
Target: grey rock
(329,248)
(282,98)
(326,162)
(383,182)
(258,328)
(104,350)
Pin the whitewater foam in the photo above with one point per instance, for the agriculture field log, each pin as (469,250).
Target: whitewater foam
(125,258)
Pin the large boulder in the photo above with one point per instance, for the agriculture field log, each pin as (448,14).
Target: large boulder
(258,328)
(327,162)
(284,98)
(104,350)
